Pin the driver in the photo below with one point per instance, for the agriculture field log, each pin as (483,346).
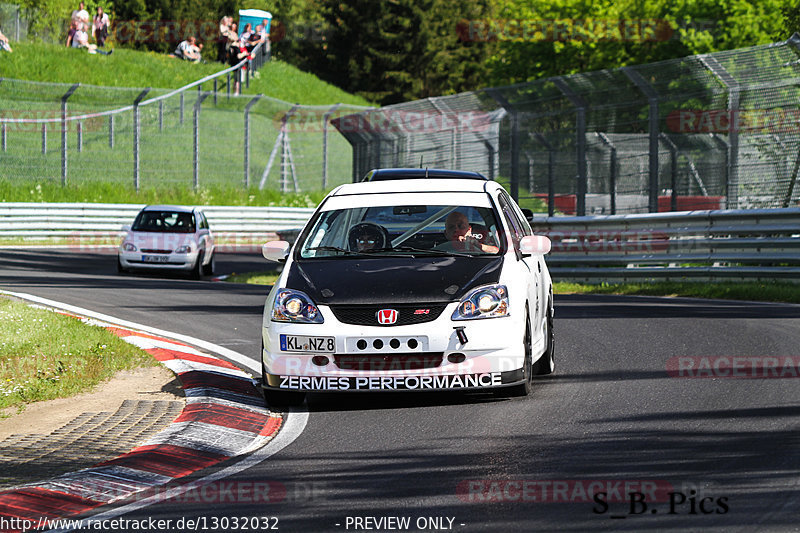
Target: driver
(459,235)
(366,236)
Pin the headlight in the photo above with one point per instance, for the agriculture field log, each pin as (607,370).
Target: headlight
(295,306)
(184,249)
(485,302)
(128,247)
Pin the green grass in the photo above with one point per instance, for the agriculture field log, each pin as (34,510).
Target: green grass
(46,355)
(103,192)
(749,291)
(132,68)
(267,277)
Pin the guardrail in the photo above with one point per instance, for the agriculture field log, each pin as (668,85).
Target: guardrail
(69,220)
(698,245)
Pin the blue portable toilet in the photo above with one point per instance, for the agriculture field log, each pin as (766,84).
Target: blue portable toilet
(254,17)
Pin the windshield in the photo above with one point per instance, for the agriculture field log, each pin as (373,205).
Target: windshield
(404,230)
(164,222)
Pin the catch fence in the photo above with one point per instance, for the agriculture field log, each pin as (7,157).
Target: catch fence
(712,131)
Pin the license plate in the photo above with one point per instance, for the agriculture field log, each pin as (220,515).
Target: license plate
(155,258)
(303,343)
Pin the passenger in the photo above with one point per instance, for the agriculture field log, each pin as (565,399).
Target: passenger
(459,235)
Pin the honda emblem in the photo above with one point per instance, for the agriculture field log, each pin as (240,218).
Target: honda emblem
(387,316)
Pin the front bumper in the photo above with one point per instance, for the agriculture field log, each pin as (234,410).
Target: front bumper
(411,357)
(172,261)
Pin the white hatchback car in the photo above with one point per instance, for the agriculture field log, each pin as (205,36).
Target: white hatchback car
(414,279)
(168,237)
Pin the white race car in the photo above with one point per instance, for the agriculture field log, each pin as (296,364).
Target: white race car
(413,279)
(168,237)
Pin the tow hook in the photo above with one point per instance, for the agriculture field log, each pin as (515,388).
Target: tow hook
(462,336)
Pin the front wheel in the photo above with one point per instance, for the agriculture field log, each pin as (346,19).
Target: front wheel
(197,269)
(546,363)
(524,388)
(208,270)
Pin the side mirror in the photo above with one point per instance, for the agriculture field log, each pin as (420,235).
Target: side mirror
(528,214)
(534,244)
(275,250)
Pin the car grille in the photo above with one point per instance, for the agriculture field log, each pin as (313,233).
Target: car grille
(366,315)
(150,251)
(382,362)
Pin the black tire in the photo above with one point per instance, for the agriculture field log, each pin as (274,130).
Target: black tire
(546,364)
(120,268)
(197,269)
(208,270)
(524,388)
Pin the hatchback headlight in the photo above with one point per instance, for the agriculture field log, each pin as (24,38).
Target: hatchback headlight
(484,302)
(185,249)
(295,306)
(128,247)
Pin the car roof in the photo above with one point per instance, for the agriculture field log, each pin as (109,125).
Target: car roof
(382,174)
(176,208)
(410,185)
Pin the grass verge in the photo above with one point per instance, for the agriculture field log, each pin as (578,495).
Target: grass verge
(116,193)
(267,277)
(46,355)
(749,291)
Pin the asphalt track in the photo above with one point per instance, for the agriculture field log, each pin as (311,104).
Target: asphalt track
(612,414)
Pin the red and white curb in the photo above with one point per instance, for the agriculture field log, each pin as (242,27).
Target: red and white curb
(224,417)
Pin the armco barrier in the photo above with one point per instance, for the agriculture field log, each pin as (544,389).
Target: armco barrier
(697,245)
(47,220)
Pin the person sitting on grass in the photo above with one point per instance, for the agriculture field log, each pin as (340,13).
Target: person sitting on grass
(4,46)
(188,50)
(81,40)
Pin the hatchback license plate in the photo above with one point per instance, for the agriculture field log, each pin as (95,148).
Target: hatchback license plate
(303,343)
(155,258)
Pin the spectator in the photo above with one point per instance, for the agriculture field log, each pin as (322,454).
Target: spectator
(222,40)
(81,40)
(81,15)
(246,33)
(189,50)
(4,46)
(73,27)
(255,38)
(100,27)
(265,37)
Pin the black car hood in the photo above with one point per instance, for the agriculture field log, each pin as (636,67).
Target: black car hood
(344,281)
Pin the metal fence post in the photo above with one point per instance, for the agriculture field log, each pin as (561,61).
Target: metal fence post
(228,86)
(111,131)
(248,67)
(325,118)
(652,100)
(515,144)
(4,140)
(551,177)
(582,184)
(196,134)
(673,158)
(215,92)
(44,138)
(612,172)
(161,115)
(733,87)
(181,109)
(136,137)
(63,133)
(247,108)
(80,136)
